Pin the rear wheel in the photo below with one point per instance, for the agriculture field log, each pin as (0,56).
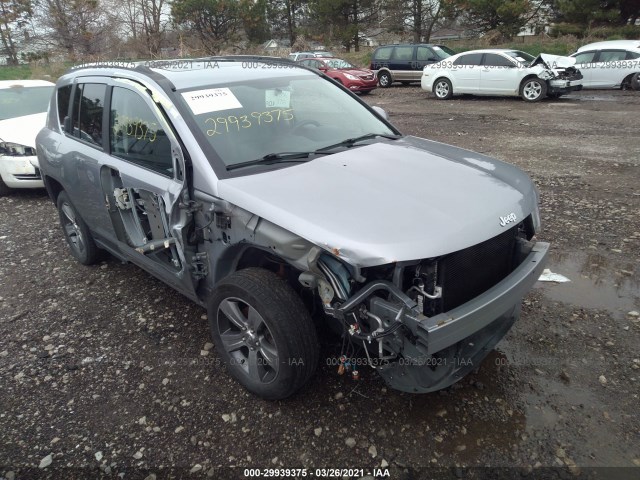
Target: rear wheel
(533,89)
(442,89)
(635,82)
(77,233)
(263,333)
(384,79)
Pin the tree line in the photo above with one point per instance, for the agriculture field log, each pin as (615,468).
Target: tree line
(115,28)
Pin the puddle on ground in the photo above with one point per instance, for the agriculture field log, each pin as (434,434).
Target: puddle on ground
(594,283)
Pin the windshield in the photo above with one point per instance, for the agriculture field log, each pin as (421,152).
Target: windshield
(339,63)
(249,120)
(442,51)
(19,101)
(521,57)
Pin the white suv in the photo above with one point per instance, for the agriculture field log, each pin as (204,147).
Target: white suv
(610,64)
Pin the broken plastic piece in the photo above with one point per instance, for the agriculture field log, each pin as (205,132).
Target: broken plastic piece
(549,276)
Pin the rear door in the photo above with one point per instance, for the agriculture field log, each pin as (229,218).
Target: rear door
(402,63)
(498,75)
(466,71)
(144,188)
(84,149)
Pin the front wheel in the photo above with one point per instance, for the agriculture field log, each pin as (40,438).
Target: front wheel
(384,79)
(533,90)
(442,89)
(263,333)
(4,190)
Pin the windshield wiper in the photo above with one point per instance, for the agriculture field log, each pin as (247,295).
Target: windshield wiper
(273,158)
(350,142)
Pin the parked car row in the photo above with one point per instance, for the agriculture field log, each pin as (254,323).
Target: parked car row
(610,64)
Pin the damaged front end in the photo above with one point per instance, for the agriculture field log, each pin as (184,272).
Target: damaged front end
(559,72)
(425,324)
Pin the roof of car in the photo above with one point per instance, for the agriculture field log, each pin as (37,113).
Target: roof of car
(185,74)
(626,44)
(490,50)
(24,83)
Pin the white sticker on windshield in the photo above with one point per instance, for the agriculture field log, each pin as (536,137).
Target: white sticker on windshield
(211,100)
(277,99)
(520,59)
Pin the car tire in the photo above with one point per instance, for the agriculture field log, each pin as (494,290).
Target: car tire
(533,89)
(4,190)
(442,89)
(635,82)
(384,79)
(263,333)
(76,232)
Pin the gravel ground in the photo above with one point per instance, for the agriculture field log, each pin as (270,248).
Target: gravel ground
(105,371)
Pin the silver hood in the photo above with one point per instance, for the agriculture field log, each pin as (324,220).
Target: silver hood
(389,201)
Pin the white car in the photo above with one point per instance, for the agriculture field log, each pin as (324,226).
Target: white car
(23,112)
(611,64)
(502,72)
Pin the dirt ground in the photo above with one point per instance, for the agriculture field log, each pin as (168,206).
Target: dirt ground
(104,370)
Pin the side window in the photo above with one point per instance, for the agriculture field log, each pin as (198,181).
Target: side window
(470,59)
(585,57)
(493,60)
(425,54)
(403,54)
(88,106)
(136,134)
(383,53)
(612,55)
(632,55)
(63,99)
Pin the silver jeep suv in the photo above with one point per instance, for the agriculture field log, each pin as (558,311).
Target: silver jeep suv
(264,191)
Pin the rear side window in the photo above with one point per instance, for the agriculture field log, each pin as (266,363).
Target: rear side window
(612,55)
(403,54)
(136,134)
(64,97)
(88,107)
(469,59)
(494,60)
(632,55)
(383,53)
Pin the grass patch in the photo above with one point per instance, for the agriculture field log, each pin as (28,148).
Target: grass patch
(20,72)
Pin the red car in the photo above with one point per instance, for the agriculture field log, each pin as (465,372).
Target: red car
(355,79)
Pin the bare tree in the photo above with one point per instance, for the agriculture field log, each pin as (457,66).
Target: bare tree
(145,23)
(79,27)
(14,15)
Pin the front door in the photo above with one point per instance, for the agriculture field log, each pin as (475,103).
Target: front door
(144,187)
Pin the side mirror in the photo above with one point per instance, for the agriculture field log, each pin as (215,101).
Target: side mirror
(381,112)
(322,68)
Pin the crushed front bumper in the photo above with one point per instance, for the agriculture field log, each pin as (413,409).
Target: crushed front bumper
(442,349)
(564,86)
